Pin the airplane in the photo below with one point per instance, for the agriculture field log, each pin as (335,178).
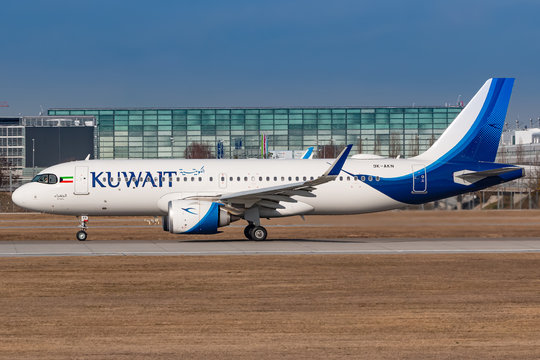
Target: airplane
(198,196)
(308,154)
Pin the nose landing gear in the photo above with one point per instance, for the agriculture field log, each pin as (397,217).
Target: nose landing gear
(83,225)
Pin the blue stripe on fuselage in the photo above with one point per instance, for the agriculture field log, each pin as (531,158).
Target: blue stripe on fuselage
(440,182)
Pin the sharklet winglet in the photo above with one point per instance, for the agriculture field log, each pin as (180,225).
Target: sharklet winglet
(337,165)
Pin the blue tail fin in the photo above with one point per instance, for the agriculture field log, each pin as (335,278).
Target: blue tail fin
(476,132)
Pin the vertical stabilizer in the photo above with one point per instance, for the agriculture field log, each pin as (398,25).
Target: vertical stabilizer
(476,132)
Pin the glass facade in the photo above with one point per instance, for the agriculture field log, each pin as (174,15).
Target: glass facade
(165,133)
(12,146)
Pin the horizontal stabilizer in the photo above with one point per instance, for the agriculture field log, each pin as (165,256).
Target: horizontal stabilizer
(468,177)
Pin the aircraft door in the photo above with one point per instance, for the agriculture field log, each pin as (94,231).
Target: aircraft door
(81,180)
(222,180)
(419,179)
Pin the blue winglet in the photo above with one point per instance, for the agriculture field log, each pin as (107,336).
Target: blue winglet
(335,169)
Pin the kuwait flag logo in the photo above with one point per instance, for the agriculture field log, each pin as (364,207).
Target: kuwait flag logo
(66,179)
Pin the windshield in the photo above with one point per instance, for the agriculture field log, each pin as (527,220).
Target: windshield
(45,179)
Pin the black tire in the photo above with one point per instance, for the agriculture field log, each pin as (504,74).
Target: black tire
(82,235)
(258,233)
(247,231)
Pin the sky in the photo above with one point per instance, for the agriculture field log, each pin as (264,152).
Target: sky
(73,54)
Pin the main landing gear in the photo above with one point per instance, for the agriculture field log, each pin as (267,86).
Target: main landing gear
(255,232)
(83,224)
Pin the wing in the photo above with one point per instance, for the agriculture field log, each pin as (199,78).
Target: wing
(271,197)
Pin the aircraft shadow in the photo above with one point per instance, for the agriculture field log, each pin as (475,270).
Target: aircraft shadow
(276,240)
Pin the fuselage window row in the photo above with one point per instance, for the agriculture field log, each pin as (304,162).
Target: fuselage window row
(52,179)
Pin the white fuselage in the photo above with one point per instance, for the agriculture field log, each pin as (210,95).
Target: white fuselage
(100,186)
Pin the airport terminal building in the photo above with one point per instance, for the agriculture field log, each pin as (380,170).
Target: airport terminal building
(240,132)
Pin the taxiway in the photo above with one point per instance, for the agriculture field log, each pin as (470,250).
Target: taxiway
(278,247)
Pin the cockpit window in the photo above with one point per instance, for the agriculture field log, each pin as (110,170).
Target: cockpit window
(45,178)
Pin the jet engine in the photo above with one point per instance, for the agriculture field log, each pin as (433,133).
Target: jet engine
(195,217)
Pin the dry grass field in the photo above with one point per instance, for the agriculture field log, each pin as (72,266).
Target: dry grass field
(466,306)
(409,224)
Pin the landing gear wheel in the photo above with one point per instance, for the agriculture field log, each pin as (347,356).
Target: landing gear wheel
(247,231)
(81,235)
(83,225)
(258,233)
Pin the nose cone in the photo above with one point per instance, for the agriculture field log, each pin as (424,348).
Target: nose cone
(21,197)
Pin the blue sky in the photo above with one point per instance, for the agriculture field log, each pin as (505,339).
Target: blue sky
(265,53)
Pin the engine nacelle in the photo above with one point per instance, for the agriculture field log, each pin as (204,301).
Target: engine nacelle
(195,217)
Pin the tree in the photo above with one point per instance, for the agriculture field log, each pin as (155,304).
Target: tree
(414,146)
(197,151)
(359,145)
(533,179)
(432,140)
(329,151)
(395,145)
(5,171)
(520,154)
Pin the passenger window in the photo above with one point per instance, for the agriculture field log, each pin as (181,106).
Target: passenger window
(304,178)
(275,178)
(238,178)
(290,178)
(211,178)
(185,178)
(230,178)
(192,179)
(311,178)
(260,178)
(223,178)
(268,178)
(297,178)
(200,178)
(245,178)
(283,178)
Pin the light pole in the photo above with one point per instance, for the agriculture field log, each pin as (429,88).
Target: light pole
(33,157)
